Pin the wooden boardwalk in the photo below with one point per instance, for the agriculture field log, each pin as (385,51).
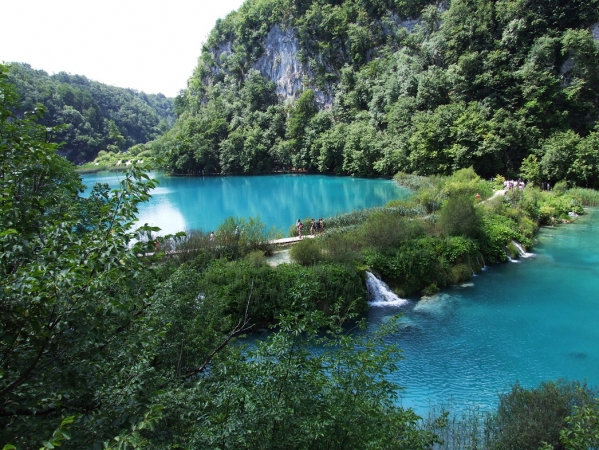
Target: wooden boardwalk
(290,240)
(283,241)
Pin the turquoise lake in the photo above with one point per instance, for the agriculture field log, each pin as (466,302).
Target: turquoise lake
(527,321)
(186,203)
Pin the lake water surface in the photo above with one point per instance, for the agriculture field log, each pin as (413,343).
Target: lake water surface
(185,203)
(530,321)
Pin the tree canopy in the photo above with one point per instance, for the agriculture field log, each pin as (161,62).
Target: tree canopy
(94,116)
(397,86)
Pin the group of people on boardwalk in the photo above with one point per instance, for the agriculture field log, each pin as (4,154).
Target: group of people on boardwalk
(512,184)
(316,227)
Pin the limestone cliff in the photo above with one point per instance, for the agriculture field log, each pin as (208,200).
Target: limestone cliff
(280,63)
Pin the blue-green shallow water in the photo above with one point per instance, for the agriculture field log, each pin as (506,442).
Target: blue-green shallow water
(180,203)
(529,321)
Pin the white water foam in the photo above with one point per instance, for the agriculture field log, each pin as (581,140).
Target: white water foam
(437,304)
(380,294)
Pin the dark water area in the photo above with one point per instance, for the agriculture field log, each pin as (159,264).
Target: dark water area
(184,203)
(527,321)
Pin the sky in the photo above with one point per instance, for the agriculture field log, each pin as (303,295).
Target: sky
(150,46)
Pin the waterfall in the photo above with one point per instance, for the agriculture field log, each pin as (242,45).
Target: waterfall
(523,254)
(380,294)
(484,265)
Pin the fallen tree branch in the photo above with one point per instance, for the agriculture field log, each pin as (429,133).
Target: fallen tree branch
(242,326)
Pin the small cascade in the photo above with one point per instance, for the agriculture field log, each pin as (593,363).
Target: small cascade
(523,254)
(484,265)
(471,269)
(380,294)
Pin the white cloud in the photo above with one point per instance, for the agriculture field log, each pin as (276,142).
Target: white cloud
(144,45)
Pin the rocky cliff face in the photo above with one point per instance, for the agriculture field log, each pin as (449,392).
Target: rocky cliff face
(280,63)
(569,63)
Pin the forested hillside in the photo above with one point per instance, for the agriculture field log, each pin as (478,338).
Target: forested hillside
(97,116)
(373,87)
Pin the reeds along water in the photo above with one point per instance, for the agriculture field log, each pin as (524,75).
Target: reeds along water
(380,294)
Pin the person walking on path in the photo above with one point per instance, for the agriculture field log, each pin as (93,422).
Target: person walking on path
(312,227)
(299,229)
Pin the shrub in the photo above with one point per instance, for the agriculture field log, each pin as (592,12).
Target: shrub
(252,234)
(414,266)
(529,203)
(341,248)
(306,252)
(527,418)
(269,292)
(430,198)
(465,182)
(527,227)
(459,217)
(256,258)
(459,273)
(546,215)
(349,219)
(560,187)
(385,231)
(497,232)
(431,289)
(457,248)
(498,181)
(411,181)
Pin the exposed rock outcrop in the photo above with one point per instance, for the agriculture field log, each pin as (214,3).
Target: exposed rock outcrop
(280,63)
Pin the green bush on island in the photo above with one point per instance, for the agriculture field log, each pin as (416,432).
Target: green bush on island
(306,252)
(265,293)
(440,235)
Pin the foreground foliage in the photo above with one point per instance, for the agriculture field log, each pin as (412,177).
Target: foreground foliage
(101,346)
(555,415)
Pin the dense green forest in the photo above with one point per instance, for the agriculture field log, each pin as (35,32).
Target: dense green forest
(95,116)
(509,87)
